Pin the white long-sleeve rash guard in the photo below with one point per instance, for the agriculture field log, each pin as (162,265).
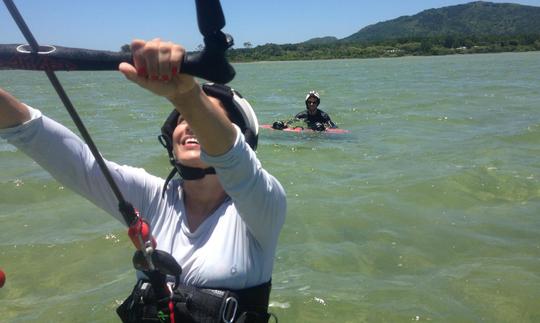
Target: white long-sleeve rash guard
(233,248)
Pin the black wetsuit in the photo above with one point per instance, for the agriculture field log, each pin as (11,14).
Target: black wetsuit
(319,117)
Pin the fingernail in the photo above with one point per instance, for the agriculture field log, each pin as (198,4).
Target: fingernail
(141,71)
(174,70)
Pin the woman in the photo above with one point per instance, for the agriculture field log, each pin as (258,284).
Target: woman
(221,222)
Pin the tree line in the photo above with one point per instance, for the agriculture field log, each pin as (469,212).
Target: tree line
(414,46)
(442,45)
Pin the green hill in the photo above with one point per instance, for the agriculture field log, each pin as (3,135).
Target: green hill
(472,19)
(322,40)
(476,27)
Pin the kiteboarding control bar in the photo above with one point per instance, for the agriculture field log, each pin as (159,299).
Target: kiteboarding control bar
(209,64)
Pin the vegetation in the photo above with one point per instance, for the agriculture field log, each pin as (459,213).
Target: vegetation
(476,27)
(472,19)
(125,48)
(443,45)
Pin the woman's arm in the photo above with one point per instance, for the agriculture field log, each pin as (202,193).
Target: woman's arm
(157,68)
(67,158)
(258,196)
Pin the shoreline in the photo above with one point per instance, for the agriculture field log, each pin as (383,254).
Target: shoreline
(374,57)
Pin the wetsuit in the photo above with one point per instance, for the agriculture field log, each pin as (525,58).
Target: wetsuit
(320,117)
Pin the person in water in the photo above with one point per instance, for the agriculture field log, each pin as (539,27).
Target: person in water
(220,220)
(315,118)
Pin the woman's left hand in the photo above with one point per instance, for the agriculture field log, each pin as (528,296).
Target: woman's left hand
(157,68)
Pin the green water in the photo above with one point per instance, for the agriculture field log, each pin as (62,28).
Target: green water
(428,210)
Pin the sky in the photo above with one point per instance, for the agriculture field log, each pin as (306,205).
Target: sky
(107,25)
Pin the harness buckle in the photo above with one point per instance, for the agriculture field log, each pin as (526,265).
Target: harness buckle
(229,310)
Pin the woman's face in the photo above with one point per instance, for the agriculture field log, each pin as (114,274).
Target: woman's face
(186,147)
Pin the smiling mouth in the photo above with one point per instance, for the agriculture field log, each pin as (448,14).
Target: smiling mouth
(191,141)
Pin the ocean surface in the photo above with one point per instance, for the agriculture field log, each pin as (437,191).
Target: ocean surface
(428,210)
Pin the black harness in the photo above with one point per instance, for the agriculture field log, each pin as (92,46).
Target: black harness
(195,305)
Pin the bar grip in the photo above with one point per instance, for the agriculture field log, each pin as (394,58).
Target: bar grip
(210,64)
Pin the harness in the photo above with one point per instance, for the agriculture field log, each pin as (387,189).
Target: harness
(196,305)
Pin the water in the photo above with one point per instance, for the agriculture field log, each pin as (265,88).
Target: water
(427,211)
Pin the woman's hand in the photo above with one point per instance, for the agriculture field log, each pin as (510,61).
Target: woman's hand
(157,68)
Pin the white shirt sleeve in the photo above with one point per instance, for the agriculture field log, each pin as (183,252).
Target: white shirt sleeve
(258,196)
(69,160)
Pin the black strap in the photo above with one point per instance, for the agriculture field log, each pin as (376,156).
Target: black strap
(254,299)
(197,305)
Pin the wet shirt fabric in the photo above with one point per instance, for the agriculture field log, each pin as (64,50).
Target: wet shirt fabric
(233,248)
(319,116)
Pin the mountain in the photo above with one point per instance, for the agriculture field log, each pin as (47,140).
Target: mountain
(473,19)
(322,40)
(476,27)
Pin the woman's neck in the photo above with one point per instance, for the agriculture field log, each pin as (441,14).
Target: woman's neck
(201,198)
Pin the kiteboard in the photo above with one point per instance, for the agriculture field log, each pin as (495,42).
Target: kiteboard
(302,129)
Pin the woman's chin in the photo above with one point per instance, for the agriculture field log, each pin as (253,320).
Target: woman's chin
(192,161)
